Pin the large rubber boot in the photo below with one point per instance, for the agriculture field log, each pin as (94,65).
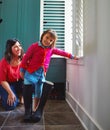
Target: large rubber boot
(47,87)
(27,95)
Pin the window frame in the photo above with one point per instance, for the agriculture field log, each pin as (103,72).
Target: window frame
(70,36)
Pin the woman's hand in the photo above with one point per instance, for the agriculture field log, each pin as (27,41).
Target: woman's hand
(11,96)
(11,99)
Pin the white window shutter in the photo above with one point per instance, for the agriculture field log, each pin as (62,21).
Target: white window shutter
(66,18)
(54,18)
(78,28)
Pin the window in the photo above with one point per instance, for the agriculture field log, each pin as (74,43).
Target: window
(66,18)
(54,18)
(78,27)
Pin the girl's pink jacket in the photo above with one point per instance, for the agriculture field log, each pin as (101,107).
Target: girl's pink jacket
(38,56)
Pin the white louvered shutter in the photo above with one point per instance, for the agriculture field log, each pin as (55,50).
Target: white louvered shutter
(53,17)
(66,18)
(78,27)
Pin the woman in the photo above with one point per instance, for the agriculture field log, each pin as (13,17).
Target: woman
(10,80)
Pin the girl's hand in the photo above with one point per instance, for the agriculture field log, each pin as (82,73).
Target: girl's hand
(76,58)
(22,75)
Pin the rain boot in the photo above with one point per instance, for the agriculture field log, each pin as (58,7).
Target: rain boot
(47,87)
(27,95)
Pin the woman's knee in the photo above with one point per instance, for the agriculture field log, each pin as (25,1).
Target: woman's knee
(8,107)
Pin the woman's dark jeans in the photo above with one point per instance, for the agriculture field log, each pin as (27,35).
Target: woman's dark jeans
(16,87)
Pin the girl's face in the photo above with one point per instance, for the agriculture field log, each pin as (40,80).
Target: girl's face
(47,40)
(16,49)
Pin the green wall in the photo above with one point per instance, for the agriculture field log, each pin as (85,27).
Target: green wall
(57,70)
(21,19)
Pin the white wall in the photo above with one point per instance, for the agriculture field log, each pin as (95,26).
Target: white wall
(88,83)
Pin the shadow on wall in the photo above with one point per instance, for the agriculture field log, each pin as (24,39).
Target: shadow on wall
(1,20)
(90,48)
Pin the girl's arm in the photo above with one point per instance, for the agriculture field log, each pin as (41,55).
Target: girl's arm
(22,71)
(27,57)
(62,53)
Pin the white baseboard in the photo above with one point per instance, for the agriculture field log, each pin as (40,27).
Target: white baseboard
(85,119)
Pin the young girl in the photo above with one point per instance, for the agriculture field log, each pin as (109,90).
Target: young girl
(34,67)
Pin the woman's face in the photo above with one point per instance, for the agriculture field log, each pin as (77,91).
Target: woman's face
(16,49)
(47,40)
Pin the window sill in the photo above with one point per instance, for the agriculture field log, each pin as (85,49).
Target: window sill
(76,62)
(57,56)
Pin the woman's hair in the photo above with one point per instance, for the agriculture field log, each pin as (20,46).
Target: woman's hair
(8,51)
(52,34)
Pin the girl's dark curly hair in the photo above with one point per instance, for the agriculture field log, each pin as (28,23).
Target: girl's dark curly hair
(8,51)
(52,34)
